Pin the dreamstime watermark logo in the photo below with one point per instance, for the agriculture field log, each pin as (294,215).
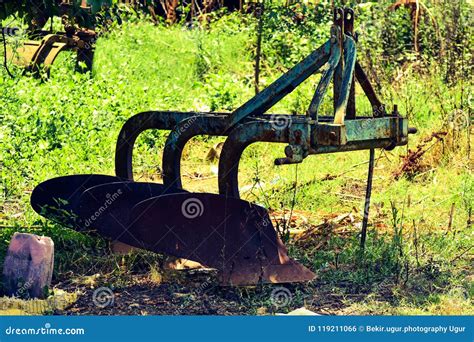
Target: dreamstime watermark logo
(46,330)
(22,291)
(192,208)
(203,288)
(103,297)
(111,198)
(264,222)
(280,122)
(281,297)
(89,44)
(180,129)
(379,110)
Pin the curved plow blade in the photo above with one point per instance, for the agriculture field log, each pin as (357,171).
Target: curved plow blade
(107,207)
(231,235)
(56,199)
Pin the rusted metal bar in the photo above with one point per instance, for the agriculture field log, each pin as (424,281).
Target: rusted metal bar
(347,75)
(260,103)
(214,125)
(349,30)
(338,18)
(360,134)
(328,75)
(242,136)
(377,107)
(133,128)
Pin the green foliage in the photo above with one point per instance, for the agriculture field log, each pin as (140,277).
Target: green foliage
(69,124)
(36,12)
(290,32)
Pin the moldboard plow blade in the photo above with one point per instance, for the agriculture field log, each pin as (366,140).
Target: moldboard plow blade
(107,207)
(57,198)
(233,236)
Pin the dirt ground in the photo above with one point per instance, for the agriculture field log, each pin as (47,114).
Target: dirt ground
(198,293)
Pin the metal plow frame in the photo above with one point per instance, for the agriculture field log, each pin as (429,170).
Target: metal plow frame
(233,236)
(42,53)
(305,134)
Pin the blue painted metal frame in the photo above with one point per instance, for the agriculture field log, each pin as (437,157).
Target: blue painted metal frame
(305,134)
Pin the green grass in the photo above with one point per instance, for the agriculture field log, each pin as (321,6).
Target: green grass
(69,124)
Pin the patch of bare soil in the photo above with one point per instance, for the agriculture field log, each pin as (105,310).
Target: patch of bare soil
(197,292)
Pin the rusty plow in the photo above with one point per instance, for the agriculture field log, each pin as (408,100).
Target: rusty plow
(222,231)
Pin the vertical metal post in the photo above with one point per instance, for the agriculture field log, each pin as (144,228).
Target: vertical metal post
(368,193)
(349,30)
(338,21)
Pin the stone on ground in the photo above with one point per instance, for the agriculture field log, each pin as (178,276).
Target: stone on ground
(28,266)
(301,312)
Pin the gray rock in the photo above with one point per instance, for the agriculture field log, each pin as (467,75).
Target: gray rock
(28,266)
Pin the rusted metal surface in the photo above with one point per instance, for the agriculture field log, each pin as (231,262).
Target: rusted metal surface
(347,76)
(333,62)
(260,103)
(57,198)
(338,18)
(231,235)
(108,207)
(140,123)
(349,30)
(79,19)
(222,231)
(378,109)
(37,54)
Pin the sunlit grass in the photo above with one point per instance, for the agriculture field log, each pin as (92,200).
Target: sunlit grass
(69,124)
